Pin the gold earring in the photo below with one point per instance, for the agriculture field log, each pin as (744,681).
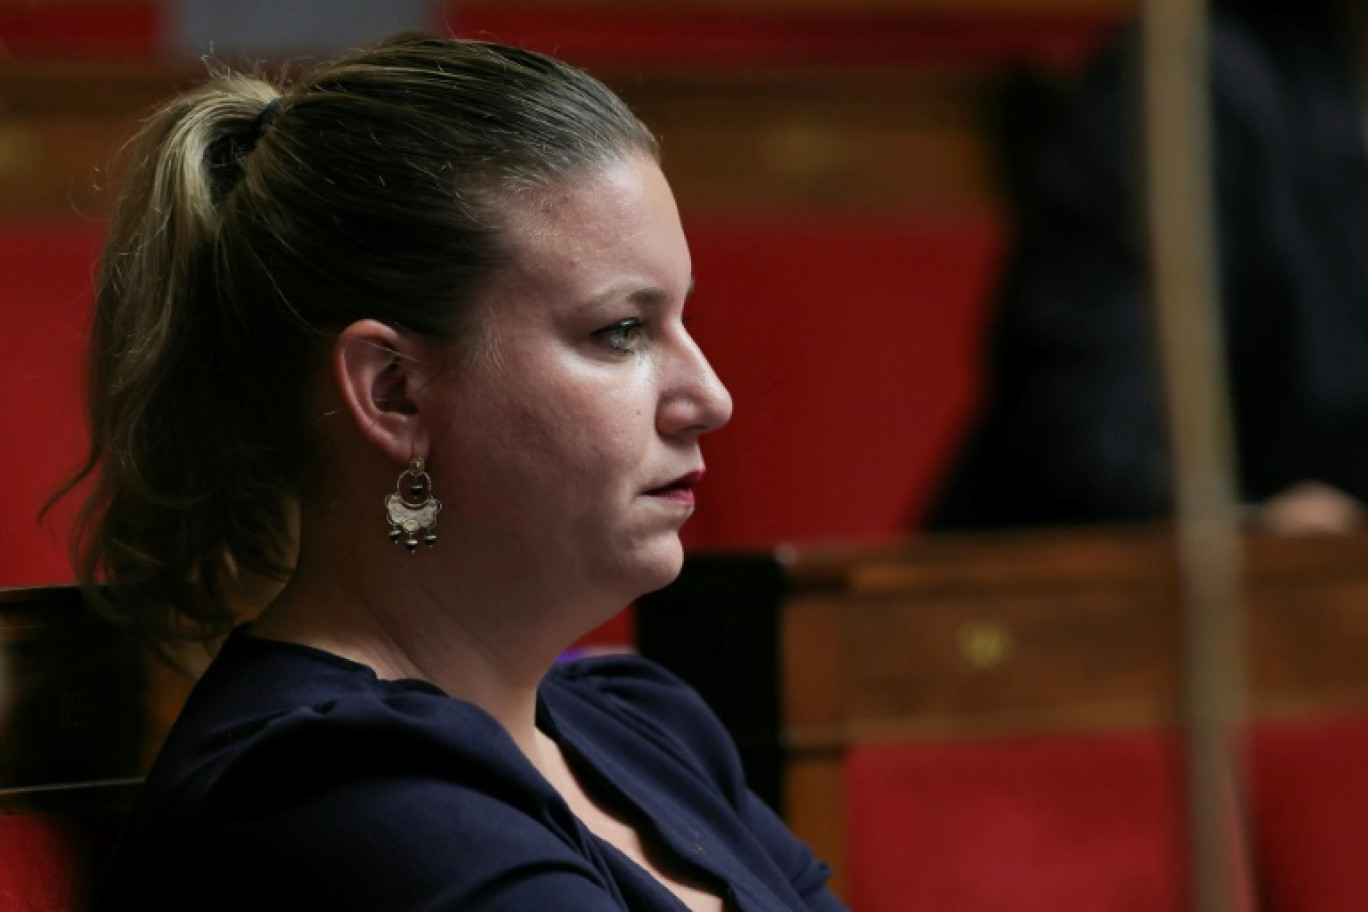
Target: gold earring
(412,508)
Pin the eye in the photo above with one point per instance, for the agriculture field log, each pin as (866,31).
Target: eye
(623,336)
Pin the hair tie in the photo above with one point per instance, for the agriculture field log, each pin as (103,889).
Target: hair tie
(267,117)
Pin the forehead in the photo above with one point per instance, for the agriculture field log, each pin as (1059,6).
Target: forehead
(615,223)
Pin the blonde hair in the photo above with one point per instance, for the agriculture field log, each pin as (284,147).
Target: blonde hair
(255,221)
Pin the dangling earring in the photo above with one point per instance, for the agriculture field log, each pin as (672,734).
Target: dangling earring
(412,508)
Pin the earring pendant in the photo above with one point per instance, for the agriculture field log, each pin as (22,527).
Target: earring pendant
(412,509)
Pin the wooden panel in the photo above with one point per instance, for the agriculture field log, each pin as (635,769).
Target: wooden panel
(1048,662)
(1069,631)
(853,143)
(816,659)
(951,667)
(81,707)
(62,126)
(101,89)
(858,142)
(117,795)
(1308,646)
(72,707)
(58,167)
(816,811)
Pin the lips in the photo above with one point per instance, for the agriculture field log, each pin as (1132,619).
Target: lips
(681,489)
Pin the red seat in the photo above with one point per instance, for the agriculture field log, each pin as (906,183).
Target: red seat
(51,859)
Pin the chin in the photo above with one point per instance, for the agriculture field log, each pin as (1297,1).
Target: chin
(658,567)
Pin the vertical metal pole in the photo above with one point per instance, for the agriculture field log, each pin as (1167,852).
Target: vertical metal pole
(1179,165)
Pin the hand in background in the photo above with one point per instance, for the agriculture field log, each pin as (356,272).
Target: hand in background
(1309,508)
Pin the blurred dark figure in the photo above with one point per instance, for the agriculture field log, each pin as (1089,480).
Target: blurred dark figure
(1073,426)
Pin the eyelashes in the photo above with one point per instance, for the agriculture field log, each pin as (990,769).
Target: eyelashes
(622,337)
(625,337)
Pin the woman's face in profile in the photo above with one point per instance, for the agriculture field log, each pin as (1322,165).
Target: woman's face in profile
(573,442)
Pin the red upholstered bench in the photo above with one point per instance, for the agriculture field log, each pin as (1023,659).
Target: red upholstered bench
(1032,824)
(53,844)
(1309,791)
(1095,821)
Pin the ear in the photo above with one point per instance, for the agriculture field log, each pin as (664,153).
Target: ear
(378,371)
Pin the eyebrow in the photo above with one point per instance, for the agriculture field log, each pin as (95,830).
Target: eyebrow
(651,296)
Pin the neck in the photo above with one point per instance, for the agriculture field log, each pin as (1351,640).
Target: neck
(486,639)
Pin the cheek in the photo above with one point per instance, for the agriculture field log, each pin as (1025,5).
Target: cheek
(590,439)
(582,430)
(543,418)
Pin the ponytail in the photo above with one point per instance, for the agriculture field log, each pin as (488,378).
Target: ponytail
(185,522)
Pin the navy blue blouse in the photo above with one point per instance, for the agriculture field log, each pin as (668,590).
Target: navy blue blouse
(297,779)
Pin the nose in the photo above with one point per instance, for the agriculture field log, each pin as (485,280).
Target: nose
(694,401)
